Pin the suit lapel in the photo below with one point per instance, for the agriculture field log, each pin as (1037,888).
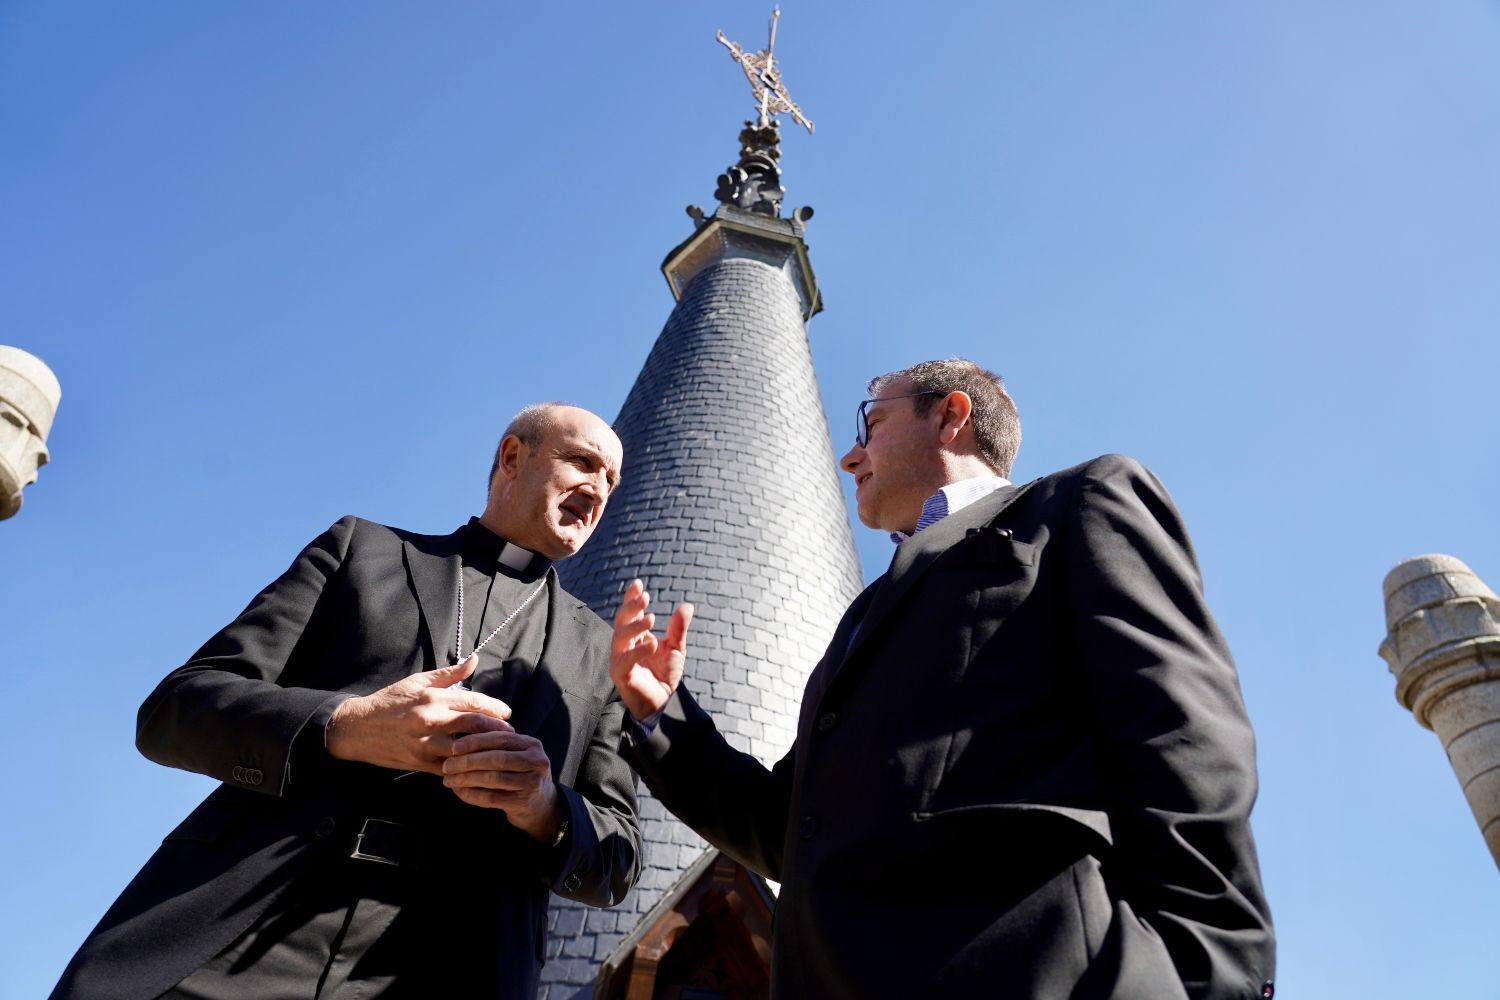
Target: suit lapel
(433,576)
(838,646)
(917,554)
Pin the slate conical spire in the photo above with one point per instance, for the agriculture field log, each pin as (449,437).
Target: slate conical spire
(729,499)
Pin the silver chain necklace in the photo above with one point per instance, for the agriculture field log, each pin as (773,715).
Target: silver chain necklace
(458,632)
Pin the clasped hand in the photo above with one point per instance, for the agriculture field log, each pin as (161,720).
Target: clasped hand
(508,771)
(428,722)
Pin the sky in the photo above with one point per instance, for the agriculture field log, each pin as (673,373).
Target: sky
(292,261)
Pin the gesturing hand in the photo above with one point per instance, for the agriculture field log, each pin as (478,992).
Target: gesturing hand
(646,670)
(411,725)
(507,771)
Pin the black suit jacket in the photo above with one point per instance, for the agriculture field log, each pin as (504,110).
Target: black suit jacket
(361,607)
(1022,769)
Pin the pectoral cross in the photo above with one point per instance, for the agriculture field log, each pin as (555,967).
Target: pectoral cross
(765,78)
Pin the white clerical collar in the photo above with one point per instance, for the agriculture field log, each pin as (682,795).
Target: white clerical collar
(483,540)
(515,557)
(951,499)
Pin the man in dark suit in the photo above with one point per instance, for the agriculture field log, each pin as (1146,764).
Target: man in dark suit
(1023,767)
(417,739)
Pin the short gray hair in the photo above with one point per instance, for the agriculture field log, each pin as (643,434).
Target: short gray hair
(530,426)
(997,425)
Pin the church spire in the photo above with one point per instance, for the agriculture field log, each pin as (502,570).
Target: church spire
(729,498)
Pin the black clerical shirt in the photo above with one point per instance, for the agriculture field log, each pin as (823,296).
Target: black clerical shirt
(493,590)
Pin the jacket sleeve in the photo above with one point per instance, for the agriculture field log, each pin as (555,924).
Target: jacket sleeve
(1167,708)
(602,849)
(223,713)
(733,800)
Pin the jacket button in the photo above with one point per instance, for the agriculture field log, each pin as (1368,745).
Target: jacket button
(238,774)
(827,721)
(325,827)
(253,776)
(808,827)
(572,882)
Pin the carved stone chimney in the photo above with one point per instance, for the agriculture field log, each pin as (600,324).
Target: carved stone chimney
(29,394)
(1444,648)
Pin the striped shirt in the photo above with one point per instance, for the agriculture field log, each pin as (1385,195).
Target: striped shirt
(950,499)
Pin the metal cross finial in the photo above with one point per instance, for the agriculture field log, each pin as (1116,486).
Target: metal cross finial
(760,69)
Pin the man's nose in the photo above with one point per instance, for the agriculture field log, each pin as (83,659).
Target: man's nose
(852,458)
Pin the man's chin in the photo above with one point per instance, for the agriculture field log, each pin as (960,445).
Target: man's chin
(566,542)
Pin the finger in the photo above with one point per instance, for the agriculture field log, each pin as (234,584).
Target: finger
(677,627)
(429,757)
(438,746)
(474,723)
(631,602)
(631,630)
(495,781)
(497,768)
(471,743)
(445,677)
(481,704)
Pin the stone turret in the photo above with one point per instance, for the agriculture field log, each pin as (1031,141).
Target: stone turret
(29,394)
(1444,648)
(729,499)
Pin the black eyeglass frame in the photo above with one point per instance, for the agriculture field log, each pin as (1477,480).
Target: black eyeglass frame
(861,420)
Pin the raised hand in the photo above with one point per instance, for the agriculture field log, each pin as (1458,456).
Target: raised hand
(646,670)
(411,725)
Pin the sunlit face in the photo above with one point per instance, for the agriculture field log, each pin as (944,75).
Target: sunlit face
(899,466)
(549,499)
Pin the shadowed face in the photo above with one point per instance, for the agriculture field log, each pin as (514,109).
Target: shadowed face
(549,499)
(899,465)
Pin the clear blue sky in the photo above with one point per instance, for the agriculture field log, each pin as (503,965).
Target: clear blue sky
(292,261)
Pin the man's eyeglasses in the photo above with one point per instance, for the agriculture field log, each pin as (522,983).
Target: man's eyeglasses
(862,424)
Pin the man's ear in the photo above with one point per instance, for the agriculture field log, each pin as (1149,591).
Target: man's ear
(509,461)
(956,408)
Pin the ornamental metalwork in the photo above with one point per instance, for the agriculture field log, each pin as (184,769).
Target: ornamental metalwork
(771,98)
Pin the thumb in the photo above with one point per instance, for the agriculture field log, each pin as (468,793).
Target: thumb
(444,677)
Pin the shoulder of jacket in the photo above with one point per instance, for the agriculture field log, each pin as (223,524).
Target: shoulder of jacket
(1107,466)
(372,538)
(420,539)
(349,524)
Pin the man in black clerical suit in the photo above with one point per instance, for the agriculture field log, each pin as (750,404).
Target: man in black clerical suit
(395,808)
(1022,768)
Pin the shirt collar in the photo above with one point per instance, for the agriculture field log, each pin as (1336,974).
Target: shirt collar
(951,499)
(509,558)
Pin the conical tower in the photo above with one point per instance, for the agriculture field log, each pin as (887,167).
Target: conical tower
(729,499)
